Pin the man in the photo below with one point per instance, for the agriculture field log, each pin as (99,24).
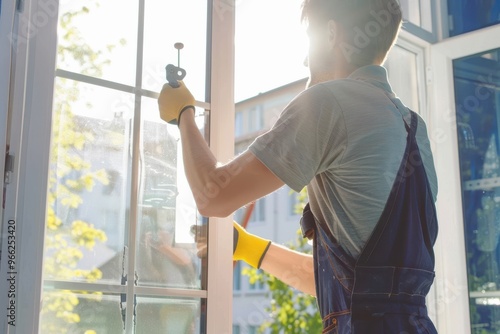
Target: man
(366,162)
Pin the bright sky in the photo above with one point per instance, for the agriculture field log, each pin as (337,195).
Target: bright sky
(270,41)
(270,44)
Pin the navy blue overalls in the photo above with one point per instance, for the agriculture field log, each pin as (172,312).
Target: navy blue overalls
(383,291)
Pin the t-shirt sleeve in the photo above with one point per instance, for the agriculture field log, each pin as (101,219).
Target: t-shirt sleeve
(424,146)
(301,143)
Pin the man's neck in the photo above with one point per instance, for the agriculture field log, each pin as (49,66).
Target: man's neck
(339,71)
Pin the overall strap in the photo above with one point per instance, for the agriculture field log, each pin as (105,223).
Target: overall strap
(307,223)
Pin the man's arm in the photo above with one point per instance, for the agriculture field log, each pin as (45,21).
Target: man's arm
(293,268)
(219,190)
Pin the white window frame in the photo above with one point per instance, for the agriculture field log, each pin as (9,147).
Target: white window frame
(6,24)
(238,130)
(452,295)
(28,96)
(417,46)
(429,36)
(29,130)
(220,258)
(259,211)
(237,278)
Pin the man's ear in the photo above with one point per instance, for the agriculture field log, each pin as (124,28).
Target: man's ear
(333,32)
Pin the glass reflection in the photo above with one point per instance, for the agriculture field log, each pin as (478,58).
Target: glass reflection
(166,249)
(165,315)
(87,204)
(86,312)
(401,65)
(88,44)
(162,261)
(477,93)
(469,15)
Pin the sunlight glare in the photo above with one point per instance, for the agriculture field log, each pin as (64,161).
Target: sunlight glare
(271,44)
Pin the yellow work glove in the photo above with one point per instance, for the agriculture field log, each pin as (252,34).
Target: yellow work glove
(249,247)
(173,101)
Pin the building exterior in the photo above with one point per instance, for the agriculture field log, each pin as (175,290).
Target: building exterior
(274,216)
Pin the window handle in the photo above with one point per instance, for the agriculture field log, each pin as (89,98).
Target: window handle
(123,296)
(176,73)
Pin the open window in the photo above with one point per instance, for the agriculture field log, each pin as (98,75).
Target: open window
(464,135)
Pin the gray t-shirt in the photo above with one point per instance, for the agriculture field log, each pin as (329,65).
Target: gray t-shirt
(344,140)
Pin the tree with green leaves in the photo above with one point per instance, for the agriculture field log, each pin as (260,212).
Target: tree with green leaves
(69,176)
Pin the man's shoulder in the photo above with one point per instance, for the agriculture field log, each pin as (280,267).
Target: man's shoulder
(346,89)
(329,92)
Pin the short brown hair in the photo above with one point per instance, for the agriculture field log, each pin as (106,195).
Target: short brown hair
(370,26)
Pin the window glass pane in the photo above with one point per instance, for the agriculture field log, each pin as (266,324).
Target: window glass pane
(166,315)
(66,311)
(477,98)
(91,33)
(166,250)
(418,12)
(255,119)
(238,127)
(89,166)
(237,276)
(165,25)
(259,211)
(238,215)
(426,14)
(111,155)
(402,69)
(411,11)
(252,120)
(262,209)
(469,15)
(252,329)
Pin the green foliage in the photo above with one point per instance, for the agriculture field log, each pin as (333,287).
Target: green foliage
(70,175)
(291,311)
(72,49)
(301,201)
